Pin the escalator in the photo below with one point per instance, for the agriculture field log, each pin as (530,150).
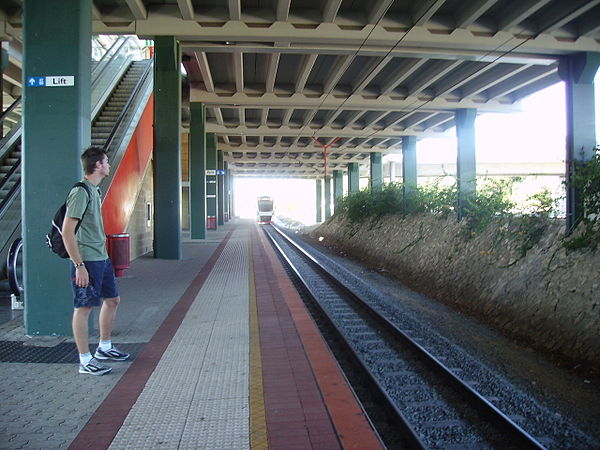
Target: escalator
(120,90)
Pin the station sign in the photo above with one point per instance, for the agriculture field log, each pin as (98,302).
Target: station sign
(51,81)
(210,172)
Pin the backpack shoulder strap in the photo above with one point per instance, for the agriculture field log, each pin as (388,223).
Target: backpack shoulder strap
(89,193)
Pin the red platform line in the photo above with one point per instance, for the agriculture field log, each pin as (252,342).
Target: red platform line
(105,423)
(351,425)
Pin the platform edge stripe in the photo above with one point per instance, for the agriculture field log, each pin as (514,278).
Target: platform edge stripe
(105,422)
(350,421)
(304,422)
(258,421)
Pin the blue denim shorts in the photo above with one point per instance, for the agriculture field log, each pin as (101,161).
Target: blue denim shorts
(102,284)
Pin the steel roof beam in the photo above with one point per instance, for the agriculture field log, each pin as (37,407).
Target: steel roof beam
(378,10)
(283,10)
(272,65)
(137,8)
(339,68)
(352,102)
(563,13)
(495,52)
(519,11)
(235,9)
(442,68)
(307,64)
(287,131)
(404,71)
(202,61)
(330,10)
(471,11)
(424,10)
(238,69)
(518,81)
(186,8)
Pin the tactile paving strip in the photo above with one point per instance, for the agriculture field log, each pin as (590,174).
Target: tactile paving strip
(63,353)
(197,397)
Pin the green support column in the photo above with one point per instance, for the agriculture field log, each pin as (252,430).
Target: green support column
(353,177)
(319,201)
(167,148)
(227,194)
(211,181)
(56,130)
(409,168)
(197,170)
(578,72)
(338,188)
(327,197)
(466,175)
(231,197)
(220,189)
(376,167)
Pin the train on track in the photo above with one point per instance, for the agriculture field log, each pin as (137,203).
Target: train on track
(265,208)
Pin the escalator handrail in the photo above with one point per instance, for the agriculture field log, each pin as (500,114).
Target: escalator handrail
(8,110)
(133,95)
(8,197)
(9,174)
(11,267)
(120,43)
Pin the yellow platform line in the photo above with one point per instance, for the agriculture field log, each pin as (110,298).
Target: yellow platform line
(258,422)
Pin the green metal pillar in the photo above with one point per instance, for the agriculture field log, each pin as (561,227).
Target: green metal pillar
(578,72)
(353,177)
(319,201)
(327,197)
(231,197)
(167,148)
(197,170)
(338,188)
(376,180)
(409,168)
(220,189)
(211,181)
(56,130)
(227,193)
(466,175)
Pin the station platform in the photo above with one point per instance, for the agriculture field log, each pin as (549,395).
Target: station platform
(224,356)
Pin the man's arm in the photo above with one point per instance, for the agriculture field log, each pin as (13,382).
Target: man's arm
(70,241)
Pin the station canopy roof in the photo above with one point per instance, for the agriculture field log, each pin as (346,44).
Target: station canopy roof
(356,75)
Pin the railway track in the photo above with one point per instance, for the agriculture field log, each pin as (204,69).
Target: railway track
(425,402)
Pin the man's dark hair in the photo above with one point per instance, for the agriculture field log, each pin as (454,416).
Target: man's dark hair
(90,157)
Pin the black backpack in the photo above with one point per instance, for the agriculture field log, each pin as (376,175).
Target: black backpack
(54,238)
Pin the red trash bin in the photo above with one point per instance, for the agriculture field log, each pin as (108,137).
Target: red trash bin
(118,252)
(211,222)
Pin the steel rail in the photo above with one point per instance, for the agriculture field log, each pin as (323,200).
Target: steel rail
(481,403)
(412,440)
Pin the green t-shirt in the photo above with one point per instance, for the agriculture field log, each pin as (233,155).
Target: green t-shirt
(90,236)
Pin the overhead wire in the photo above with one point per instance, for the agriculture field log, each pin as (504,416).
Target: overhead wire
(475,72)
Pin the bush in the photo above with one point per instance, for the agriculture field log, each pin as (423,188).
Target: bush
(490,201)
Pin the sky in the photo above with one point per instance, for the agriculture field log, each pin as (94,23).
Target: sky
(535,135)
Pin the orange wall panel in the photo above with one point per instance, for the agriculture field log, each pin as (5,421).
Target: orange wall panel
(121,196)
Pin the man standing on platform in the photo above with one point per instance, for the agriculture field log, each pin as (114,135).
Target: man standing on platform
(92,273)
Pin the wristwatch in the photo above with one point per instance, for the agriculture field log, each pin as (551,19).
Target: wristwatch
(79,265)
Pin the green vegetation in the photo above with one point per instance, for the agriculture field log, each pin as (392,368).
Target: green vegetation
(586,179)
(490,203)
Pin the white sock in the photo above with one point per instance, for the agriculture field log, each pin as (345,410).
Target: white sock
(105,345)
(85,358)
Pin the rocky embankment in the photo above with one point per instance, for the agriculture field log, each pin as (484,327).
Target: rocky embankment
(546,296)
